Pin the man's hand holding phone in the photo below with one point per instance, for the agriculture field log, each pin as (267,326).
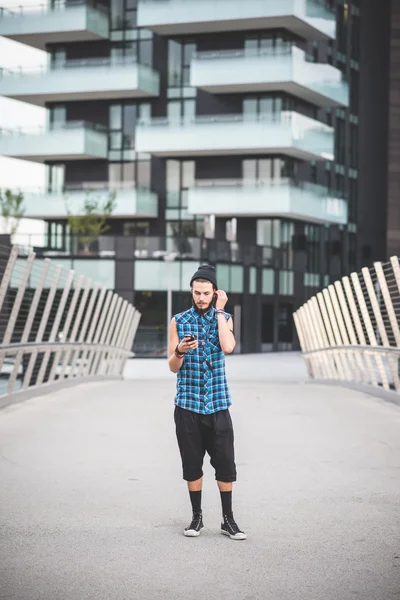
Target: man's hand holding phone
(189,342)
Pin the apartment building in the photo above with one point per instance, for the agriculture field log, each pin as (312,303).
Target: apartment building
(229,132)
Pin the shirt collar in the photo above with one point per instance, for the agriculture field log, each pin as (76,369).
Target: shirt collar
(208,316)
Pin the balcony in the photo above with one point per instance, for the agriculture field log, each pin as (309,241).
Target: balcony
(90,79)
(309,19)
(131,201)
(282,69)
(281,198)
(287,133)
(40,25)
(70,141)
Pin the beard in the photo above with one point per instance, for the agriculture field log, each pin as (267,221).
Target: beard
(202,310)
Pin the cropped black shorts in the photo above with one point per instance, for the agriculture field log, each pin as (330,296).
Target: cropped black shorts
(198,434)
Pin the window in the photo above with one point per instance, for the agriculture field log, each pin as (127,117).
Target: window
(57,116)
(56,178)
(273,103)
(180,177)
(269,42)
(137,172)
(179,58)
(140,48)
(123,14)
(176,109)
(266,169)
(122,126)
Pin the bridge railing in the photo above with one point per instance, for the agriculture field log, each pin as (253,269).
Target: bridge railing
(56,325)
(351,330)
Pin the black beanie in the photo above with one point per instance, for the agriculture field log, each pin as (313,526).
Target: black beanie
(205,272)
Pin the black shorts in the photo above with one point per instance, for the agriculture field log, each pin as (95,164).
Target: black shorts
(197,434)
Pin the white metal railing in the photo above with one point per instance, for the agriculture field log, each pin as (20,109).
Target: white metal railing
(351,330)
(56,326)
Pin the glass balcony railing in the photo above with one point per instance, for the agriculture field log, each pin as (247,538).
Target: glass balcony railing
(80,79)
(309,19)
(267,198)
(130,200)
(39,25)
(67,141)
(283,68)
(144,248)
(285,132)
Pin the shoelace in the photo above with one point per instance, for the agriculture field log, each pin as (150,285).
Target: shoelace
(196,520)
(230,521)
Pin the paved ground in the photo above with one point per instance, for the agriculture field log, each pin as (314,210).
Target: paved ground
(92,503)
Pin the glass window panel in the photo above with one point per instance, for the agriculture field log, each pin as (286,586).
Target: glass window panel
(188,50)
(117,14)
(115,138)
(266,106)
(223,277)
(268,281)
(129,118)
(188,173)
(128,172)
(114,172)
(174,109)
(145,112)
(173,199)
(131,4)
(253,280)
(173,175)
(250,106)
(265,169)
(155,274)
(250,45)
(128,141)
(58,115)
(249,170)
(236,279)
(278,105)
(189,108)
(115,116)
(101,271)
(174,63)
(277,168)
(264,232)
(143,173)
(114,155)
(128,155)
(146,52)
(276,233)
(184,199)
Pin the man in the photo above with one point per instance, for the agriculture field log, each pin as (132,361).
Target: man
(199,339)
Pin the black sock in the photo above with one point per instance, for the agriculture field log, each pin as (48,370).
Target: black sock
(226,501)
(195,499)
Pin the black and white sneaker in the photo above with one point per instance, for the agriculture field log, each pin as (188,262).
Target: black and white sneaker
(229,527)
(193,530)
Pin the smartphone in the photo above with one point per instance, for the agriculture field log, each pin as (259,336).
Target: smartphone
(190,337)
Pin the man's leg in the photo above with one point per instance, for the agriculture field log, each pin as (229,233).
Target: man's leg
(222,455)
(192,453)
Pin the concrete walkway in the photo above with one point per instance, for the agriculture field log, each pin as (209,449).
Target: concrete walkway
(93,506)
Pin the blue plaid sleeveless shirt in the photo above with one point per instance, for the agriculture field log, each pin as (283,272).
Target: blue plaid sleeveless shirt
(201,382)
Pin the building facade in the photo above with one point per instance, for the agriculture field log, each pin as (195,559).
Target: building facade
(227,132)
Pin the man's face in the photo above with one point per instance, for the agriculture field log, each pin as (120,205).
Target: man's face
(202,293)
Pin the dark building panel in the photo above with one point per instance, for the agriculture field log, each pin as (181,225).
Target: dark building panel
(373,131)
(393,206)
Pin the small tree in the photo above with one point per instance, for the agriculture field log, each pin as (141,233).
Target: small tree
(11,210)
(92,223)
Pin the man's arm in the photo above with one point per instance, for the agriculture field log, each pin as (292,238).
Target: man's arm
(225,327)
(174,361)
(225,332)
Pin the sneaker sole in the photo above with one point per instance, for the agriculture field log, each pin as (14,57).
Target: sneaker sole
(191,533)
(238,536)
